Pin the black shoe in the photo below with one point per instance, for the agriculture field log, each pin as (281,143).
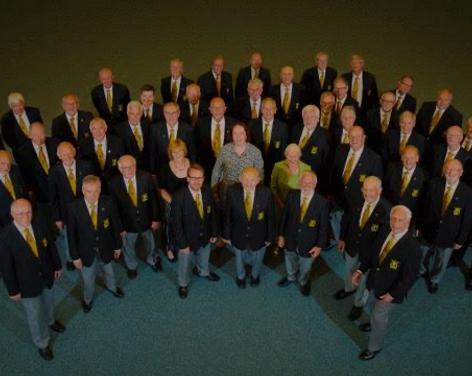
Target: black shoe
(57,327)
(368,355)
(118,293)
(213,277)
(132,273)
(432,287)
(355,313)
(365,327)
(70,265)
(284,282)
(254,282)
(342,294)
(183,292)
(157,267)
(305,289)
(468,283)
(86,307)
(241,283)
(46,353)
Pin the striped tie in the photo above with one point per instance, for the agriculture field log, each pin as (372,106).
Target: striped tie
(93,216)
(23,126)
(355,88)
(198,202)
(286,100)
(248,205)
(303,208)
(73,127)
(173,91)
(109,100)
(405,182)
(132,193)
(348,169)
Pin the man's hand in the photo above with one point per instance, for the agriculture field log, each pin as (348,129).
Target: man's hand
(356,277)
(57,274)
(281,242)
(78,264)
(341,245)
(386,298)
(155,225)
(185,250)
(456,246)
(123,234)
(213,240)
(16,298)
(117,253)
(226,241)
(315,252)
(60,225)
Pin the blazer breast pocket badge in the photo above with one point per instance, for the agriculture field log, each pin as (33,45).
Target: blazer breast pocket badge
(45,242)
(120,107)
(414,193)
(208,209)
(114,162)
(144,197)
(106,223)
(314,150)
(277,145)
(374,228)
(297,106)
(362,178)
(312,223)
(457,211)
(260,216)
(394,264)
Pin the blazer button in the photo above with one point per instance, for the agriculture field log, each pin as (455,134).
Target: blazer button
(97,238)
(299,230)
(440,221)
(248,227)
(377,269)
(137,211)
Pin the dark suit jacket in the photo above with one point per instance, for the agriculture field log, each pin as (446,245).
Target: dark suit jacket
(185,114)
(160,141)
(391,149)
(250,234)
(59,188)
(398,272)
(136,219)
(312,231)
(296,104)
(36,178)
(373,128)
(85,242)
(435,161)
(408,104)
(121,98)
(311,83)
(452,227)
(423,122)
(6,199)
(166,89)
(130,146)
(60,127)
(207,85)
(157,115)
(22,271)
(368,164)
(278,143)
(189,230)
(349,101)
(206,156)
(370,92)
(11,131)
(242,109)
(244,76)
(359,241)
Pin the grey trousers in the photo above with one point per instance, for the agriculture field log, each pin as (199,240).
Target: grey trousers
(40,314)
(361,295)
(379,317)
(253,258)
(129,248)
(435,260)
(89,274)
(200,258)
(335,221)
(62,245)
(298,268)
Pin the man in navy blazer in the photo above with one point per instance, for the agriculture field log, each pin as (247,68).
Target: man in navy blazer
(173,87)
(217,83)
(318,79)
(248,107)
(404,101)
(152,111)
(252,71)
(193,108)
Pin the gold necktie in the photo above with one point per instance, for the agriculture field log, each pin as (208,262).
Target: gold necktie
(109,100)
(132,193)
(399,103)
(254,111)
(256,73)
(348,169)
(73,127)
(449,156)
(286,101)
(173,91)
(72,181)
(148,115)
(198,202)
(355,88)
(194,115)
(266,137)
(339,107)
(466,144)
(365,216)
(405,182)
(325,120)
(218,85)
(248,205)
(23,126)
(435,121)
(100,156)
(345,139)
(387,248)
(304,140)
(384,122)
(446,199)
(303,208)
(172,134)
(322,79)
(31,242)
(9,186)
(42,160)
(217,140)
(137,137)
(93,216)
(403,141)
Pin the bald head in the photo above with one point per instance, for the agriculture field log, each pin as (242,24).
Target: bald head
(308,182)
(66,153)
(387,101)
(400,217)
(444,99)
(454,137)
(5,162)
(249,178)
(127,166)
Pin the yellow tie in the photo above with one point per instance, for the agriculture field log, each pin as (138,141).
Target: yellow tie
(466,144)
(286,101)
(72,181)
(147,115)
(303,208)
(198,202)
(325,120)
(449,156)
(399,103)
(31,242)
(345,139)
(42,160)
(93,216)
(172,135)
(217,140)
(9,186)
(365,216)
(23,126)
(132,193)
(73,127)
(194,115)
(384,122)
(266,137)
(387,248)
(100,156)
(348,169)
(322,79)
(355,88)
(256,73)
(339,107)
(173,91)
(304,140)
(248,205)
(405,182)
(138,138)
(109,100)
(254,111)
(403,141)
(446,199)
(218,85)
(435,121)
